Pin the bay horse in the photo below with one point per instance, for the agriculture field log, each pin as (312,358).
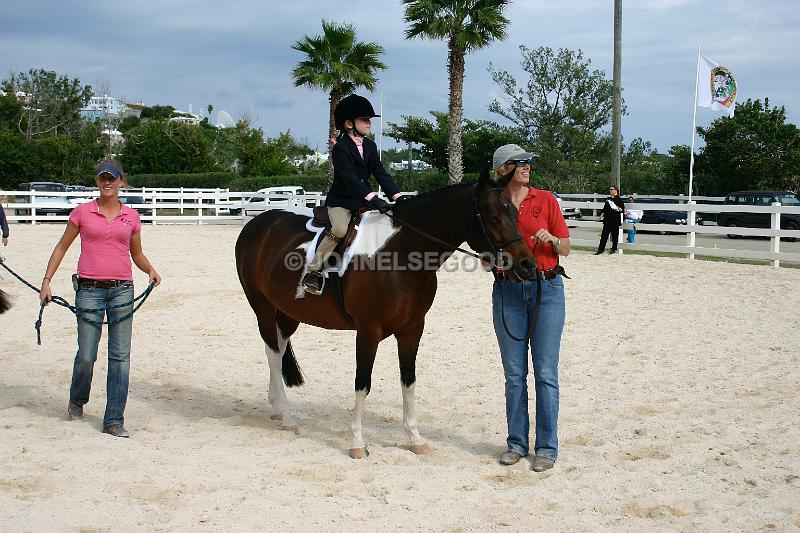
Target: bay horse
(5,302)
(377,302)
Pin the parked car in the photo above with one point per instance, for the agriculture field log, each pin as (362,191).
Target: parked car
(87,194)
(136,201)
(568,212)
(276,197)
(759,220)
(45,205)
(653,216)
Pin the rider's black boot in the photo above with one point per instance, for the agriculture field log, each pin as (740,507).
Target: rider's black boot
(313,282)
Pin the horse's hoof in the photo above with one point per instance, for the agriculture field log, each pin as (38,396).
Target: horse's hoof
(293,429)
(276,416)
(358,453)
(421,449)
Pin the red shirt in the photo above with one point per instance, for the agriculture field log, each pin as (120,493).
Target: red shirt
(105,246)
(539,210)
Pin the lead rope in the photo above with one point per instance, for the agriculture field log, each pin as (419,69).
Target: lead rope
(79,311)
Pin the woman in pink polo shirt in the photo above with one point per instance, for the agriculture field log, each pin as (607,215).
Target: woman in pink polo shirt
(110,237)
(542,225)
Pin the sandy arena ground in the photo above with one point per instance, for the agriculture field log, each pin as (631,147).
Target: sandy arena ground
(679,413)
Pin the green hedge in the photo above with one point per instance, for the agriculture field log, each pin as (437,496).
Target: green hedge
(211,180)
(307,182)
(407,181)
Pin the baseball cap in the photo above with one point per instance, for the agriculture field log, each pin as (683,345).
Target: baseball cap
(110,167)
(507,152)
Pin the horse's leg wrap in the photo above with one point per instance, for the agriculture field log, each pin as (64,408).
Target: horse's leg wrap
(358,450)
(277,391)
(410,420)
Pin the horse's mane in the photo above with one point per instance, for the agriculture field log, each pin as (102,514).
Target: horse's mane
(435,194)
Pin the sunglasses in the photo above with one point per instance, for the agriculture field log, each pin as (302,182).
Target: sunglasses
(520,162)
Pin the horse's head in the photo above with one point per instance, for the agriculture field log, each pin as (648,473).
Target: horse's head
(494,231)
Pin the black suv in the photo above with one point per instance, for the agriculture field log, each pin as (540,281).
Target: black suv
(664,217)
(759,220)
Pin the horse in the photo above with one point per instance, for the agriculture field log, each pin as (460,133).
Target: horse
(5,302)
(375,302)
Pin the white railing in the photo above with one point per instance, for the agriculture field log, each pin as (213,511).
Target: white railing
(215,206)
(691,229)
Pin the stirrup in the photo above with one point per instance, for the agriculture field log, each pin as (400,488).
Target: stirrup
(314,282)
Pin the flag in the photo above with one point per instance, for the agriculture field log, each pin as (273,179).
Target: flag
(717,88)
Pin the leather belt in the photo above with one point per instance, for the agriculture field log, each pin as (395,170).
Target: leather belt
(540,274)
(87,283)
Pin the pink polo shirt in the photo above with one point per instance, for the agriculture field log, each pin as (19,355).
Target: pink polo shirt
(105,246)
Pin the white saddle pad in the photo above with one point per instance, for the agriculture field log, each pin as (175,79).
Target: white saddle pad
(374,231)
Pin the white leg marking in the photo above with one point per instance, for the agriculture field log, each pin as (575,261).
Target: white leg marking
(355,425)
(277,392)
(410,417)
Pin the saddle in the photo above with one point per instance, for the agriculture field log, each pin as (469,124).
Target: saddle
(321,220)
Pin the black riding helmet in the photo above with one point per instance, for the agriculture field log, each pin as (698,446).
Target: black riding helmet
(350,108)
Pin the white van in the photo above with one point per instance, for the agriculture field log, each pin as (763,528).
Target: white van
(278,197)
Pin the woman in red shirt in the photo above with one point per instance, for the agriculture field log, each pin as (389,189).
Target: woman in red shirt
(110,238)
(544,230)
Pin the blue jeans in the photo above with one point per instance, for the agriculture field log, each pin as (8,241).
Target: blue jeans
(631,234)
(119,348)
(518,301)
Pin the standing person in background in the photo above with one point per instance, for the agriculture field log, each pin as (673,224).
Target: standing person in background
(612,220)
(632,217)
(4,225)
(110,237)
(544,230)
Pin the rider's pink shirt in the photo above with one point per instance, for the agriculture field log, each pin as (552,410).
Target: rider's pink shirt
(105,246)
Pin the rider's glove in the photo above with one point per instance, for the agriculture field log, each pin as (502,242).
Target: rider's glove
(376,202)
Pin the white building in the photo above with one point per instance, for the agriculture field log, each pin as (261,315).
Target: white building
(101,107)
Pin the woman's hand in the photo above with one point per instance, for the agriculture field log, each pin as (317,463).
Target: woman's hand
(154,277)
(45,295)
(544,236)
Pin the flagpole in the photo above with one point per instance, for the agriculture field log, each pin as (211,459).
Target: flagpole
(694,122)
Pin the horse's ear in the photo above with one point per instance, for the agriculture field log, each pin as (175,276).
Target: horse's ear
(484,178)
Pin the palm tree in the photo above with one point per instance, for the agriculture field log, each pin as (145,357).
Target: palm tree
(335,62)
(466,25)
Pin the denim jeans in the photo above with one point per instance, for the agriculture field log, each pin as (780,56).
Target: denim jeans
(631,234)
(518,301)
(119,348)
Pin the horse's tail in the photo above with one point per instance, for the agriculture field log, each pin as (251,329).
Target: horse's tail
(292,375)
(5,302)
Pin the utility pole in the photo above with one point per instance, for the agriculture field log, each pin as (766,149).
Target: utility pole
(616,121)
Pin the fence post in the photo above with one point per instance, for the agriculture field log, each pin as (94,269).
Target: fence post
(155,211)
(180,199)
(691,236)
(775,240)
(32,198)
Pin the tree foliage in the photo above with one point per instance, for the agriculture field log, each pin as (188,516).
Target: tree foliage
(49,142)
(561,110)
(466,25)
(52,102)
(479,138)
(754,149)
(166,147)
(336,62)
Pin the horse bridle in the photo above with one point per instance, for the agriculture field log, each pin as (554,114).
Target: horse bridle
(497,247)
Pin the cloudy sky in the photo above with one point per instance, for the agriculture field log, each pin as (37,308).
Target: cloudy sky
(237,55)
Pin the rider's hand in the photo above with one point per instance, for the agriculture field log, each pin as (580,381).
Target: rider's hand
(45,295)
(380,204)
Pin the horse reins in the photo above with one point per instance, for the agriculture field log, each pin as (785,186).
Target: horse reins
(497,248)
(78,311)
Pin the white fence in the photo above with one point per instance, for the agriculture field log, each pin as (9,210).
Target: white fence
(692,229)
(214,206)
